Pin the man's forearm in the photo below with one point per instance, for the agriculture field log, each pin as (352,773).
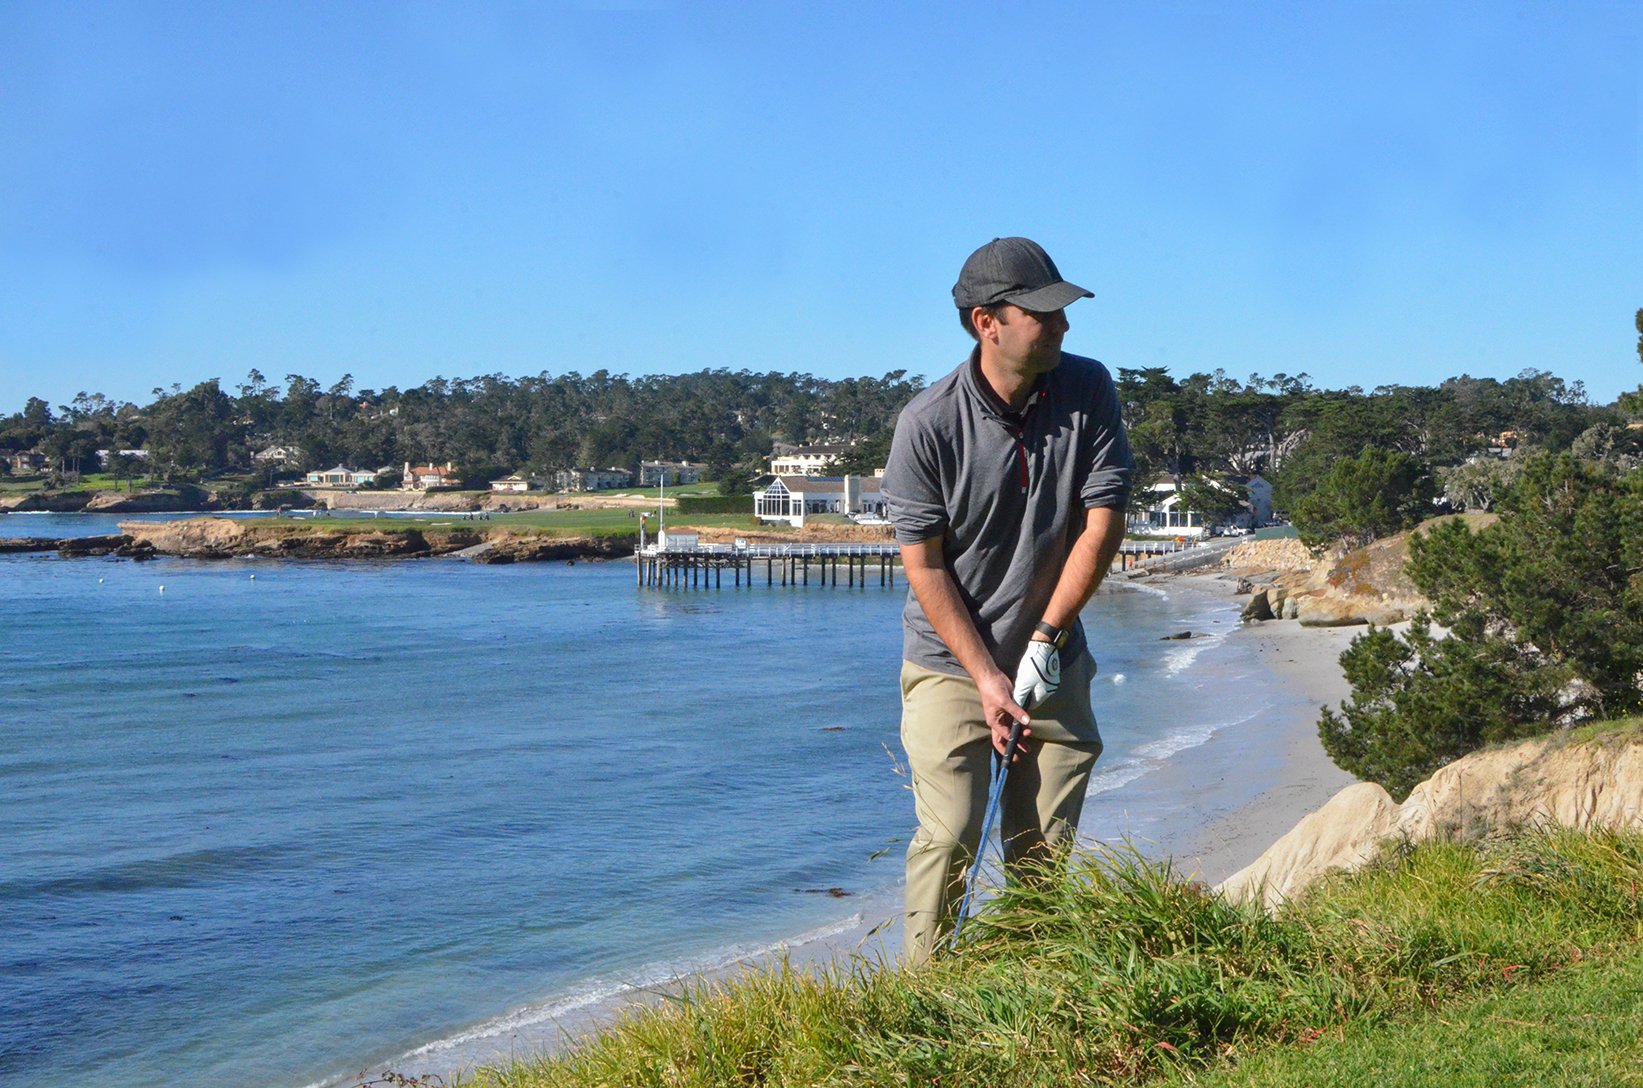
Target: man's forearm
(1086,565)
(938,596)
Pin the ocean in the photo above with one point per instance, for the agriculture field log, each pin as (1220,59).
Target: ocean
(274,823)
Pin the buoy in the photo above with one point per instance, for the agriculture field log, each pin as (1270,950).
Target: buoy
(99,581)
(1118,678)
(253,577)
(162,589)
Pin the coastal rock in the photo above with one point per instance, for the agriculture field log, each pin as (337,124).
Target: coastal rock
(150,502)
(55,502)
(1546,781)
(1326,610)
(506,548)
(223,538)
(1258,608)
(1281,554)
(13,545)
(194,538)
(78,547)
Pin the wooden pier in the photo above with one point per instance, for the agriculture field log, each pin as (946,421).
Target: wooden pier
(703,566)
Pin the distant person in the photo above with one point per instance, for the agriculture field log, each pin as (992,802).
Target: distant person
(1006,486)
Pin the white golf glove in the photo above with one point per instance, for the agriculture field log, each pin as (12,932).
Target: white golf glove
(1038,675)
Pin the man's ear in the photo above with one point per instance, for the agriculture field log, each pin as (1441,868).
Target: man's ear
(986,323)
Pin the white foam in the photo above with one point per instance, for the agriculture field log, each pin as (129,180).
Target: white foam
(1152,755)
(1116,777)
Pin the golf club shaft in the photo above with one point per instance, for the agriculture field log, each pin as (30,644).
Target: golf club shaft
(987,827)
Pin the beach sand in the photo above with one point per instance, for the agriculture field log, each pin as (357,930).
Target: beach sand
(1231,798)
(1305,661)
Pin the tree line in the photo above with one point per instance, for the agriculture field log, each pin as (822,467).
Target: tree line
(1204,431)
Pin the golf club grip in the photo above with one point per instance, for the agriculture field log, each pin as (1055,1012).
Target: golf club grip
(1010,745)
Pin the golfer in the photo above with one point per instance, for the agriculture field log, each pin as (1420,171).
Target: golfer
(1006,484)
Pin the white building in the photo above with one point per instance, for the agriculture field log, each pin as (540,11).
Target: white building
(279,455)
(591,479)
(422,477)
(668,540)
(788,460)
(516,483)
(1160,509)
(673,473)
(790,498)
(340,477)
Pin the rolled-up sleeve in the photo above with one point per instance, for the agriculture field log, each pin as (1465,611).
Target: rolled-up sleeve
(1112,467)
(912,484)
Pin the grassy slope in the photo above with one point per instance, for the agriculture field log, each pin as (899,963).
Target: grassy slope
(1583,1028)
(1122,974)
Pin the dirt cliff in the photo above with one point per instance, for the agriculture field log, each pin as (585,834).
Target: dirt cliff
(1593,783)
(1335,588)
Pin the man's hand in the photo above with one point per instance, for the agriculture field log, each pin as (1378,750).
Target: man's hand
(1039,674)
(1002,712)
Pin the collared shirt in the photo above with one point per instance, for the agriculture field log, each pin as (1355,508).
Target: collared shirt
(1006,492)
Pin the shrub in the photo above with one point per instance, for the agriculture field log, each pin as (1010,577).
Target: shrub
(1363,498)
(715,504)
(1544,611)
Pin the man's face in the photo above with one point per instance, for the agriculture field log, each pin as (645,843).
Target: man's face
(1029,338)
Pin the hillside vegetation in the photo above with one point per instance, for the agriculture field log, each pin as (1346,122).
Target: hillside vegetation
(1122,973)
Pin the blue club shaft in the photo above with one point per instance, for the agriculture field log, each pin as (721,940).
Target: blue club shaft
(986,829)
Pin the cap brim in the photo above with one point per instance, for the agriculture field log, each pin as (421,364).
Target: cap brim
(1056,296)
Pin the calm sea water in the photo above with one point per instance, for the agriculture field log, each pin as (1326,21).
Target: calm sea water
(269,823)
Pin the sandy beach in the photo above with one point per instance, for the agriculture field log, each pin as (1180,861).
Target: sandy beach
(1305,661)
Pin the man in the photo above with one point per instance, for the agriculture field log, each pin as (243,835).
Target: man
(1006,485)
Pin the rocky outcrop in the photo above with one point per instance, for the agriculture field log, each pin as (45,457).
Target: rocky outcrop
(150,502)
(1273,556)
(195,538)
(113,502)
(16,544)
(56,502)
(505,548)
(1548,781)
(1336,589)
(227,538)
(80,547)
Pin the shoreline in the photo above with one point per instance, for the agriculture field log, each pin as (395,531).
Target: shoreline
(1232,821)
(1305,661)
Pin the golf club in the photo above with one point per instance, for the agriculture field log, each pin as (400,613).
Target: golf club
(986,829)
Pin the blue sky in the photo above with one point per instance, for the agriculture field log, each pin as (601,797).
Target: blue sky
(1368,193)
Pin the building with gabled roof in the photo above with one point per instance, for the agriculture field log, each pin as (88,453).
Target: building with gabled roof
(790,498)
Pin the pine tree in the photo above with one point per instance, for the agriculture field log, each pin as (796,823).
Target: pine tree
(1544,614)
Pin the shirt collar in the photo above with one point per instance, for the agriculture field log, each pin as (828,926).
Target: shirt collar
(990,400)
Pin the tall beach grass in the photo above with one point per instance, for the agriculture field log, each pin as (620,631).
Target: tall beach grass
(1120,972)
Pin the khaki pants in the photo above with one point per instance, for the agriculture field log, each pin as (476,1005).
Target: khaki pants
(950,755)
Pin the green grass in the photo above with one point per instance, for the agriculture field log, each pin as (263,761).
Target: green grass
(1585,1028)
(1121,973)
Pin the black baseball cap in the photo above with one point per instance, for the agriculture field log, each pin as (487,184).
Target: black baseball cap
(1014,270)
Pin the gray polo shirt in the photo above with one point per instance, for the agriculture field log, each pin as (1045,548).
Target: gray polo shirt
(1006,493)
